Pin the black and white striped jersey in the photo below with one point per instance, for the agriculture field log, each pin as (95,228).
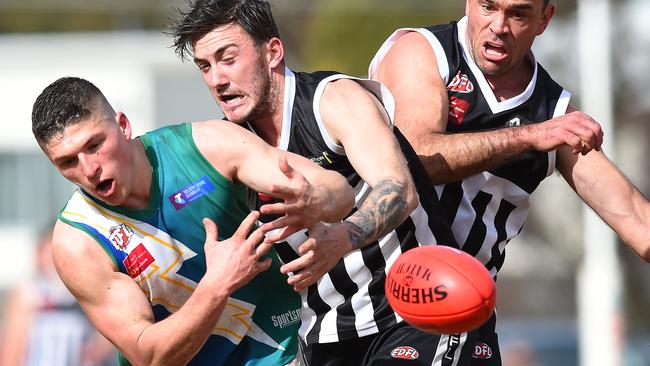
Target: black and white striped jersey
(488,209)
(349,302)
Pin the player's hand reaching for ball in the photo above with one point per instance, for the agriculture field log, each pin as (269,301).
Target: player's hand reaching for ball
(235,261)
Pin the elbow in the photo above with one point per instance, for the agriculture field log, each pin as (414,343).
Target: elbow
(339,205)
(644,253)
(346,201)
(638,242)
(640,248)
(411,199)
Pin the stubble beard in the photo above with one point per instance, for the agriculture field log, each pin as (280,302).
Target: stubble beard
(268,100)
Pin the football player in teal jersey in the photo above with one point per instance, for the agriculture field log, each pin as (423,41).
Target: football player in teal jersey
(137,243)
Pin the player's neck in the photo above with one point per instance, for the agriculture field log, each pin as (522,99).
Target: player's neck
(268,129)
(511,83)
(269,125)
(141,186)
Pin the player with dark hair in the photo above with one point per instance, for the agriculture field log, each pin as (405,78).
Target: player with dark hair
(490,124)
(137,243)
(343,124)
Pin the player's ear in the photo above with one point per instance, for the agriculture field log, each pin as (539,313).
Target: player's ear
(547,14)
(275,52)
(124,123)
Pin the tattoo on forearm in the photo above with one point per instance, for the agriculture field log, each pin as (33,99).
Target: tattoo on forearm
(382,211)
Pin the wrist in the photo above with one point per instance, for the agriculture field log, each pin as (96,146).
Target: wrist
(524,136)
(215,287)
(354,235)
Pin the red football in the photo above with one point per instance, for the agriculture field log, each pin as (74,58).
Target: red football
(440,289)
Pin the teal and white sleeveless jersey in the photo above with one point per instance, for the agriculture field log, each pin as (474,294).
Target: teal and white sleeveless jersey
(161,248)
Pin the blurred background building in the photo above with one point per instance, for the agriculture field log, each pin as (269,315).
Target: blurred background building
(119,45)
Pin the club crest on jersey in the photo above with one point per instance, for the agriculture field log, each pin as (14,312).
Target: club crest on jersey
(405,353)
(460,84)
(120,236)
(191,193)
(457,110)
(482,351)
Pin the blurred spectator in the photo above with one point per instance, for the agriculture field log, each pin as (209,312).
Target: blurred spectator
(518,354)
(45,326)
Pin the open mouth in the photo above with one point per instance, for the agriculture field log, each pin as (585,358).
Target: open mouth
(104,187)
(230,99)
(494,52)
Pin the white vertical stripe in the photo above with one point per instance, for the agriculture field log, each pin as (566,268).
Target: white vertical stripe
(307,316)
(287,112)
(485,253)
(328,332)
(440,350)
(423,233)
(360,301)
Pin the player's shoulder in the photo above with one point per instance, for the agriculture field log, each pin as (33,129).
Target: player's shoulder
(217,130)
(343,87)
(410,42)
(73,247)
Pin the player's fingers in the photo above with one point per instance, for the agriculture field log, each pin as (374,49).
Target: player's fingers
(282,227)
(278,208)
(256,237)
(284,166)
(295,265)
(283,234)
(263,248)
(247,225)
(573,141)
(305,282)
(296,278)
(309,244)
(211,231)
(285,192)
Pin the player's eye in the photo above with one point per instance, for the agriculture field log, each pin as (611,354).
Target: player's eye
(519,15)
(487,7)
(203,66)
(67,162)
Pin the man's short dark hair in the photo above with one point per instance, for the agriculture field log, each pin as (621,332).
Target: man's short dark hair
(205,15)
(64,102)
(546,3)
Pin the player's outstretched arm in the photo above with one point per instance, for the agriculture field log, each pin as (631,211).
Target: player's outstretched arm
(410,70)
(603,187)
(311,194)
(357,122)
(120,310)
